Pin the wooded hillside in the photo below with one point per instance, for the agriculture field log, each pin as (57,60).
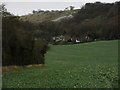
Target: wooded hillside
(94,21)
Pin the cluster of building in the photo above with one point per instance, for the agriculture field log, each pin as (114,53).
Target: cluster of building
(70,39)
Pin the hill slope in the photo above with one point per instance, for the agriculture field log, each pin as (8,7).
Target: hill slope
(92,20)
(46,16)
(89,65)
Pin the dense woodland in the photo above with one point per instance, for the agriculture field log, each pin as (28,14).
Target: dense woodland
(26,42)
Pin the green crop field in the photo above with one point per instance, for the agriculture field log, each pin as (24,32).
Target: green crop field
(87,65)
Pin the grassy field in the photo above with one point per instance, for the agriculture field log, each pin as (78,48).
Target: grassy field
(88,65)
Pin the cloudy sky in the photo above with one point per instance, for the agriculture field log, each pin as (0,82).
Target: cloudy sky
(22,7)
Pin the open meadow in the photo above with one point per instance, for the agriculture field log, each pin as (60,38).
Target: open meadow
(86,65)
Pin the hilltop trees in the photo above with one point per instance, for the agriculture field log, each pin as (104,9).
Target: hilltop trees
(69,8)
(37,11)
(72,7)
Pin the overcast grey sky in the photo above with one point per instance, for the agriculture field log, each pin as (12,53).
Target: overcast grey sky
(22,7)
